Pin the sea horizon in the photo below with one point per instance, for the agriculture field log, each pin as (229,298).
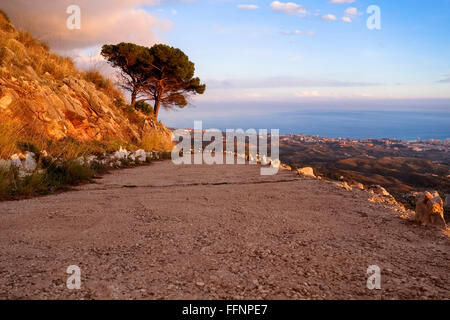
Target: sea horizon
(355,124)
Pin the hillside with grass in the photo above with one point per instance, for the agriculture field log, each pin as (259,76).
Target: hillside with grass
(45,99)
(58,113)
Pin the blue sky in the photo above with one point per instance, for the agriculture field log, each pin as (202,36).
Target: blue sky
(262,57)
(268,55)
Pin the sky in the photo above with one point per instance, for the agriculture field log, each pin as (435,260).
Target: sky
(271,56)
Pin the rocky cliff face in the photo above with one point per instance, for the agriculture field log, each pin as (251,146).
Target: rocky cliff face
(47,94)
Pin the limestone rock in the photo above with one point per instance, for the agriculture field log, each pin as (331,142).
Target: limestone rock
(80,160)
(285,167)
(347,186)
(343,185)
(306,172)
(358,185)
(379,190)
(91,159)
(430,210)
(140,155)
(15,161)
(30,164)
(121,154)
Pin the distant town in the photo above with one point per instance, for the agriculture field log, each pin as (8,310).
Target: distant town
(417,145)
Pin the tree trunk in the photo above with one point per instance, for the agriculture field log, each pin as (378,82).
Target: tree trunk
(157,105)
(133,98)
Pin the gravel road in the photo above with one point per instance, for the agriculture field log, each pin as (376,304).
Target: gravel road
(215,232)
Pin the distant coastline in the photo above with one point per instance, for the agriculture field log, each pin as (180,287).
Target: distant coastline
(401,125)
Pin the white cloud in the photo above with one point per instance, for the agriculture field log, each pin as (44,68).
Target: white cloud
(247,6)
(346,19)
(329,17)
(91,59)
(352,11)
(313,93)
(446,79)
(289,8)
(299,32)
(342,1)
(308,33)
(282,82)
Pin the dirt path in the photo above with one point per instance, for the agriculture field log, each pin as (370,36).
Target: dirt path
(188,232)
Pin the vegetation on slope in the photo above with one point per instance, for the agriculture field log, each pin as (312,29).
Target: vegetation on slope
(46,103)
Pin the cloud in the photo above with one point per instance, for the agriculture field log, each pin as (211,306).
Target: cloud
(289,8)
(282,82)
(91,59)
(445,80)
(102,21)
(329,17)
(247,6)
(342,1)
(313,93)
(299,32)
(352,11)
(346,19)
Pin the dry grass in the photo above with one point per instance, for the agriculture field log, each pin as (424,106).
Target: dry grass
(56,66)
(30,51)
(104,84)
(155,141)
(8,138)
(14,136)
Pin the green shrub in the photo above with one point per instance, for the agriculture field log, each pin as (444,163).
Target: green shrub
(57,175)
(166,155)
(133,116)
(69,172)
(99,168)
(5,183)
(98,79)
(144,107)
(119,102)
